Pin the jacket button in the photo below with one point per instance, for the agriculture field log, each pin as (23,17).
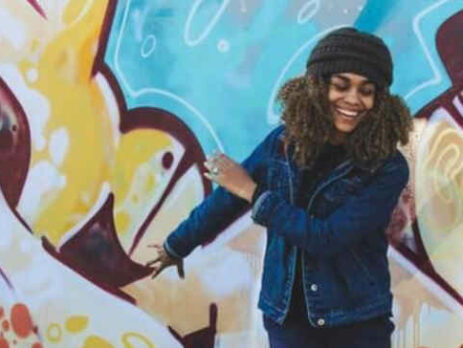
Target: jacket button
(314,287)
(321,322)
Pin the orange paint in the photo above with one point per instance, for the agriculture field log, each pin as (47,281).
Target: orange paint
(2,312)
(5,325)
(21,320)
(3,343)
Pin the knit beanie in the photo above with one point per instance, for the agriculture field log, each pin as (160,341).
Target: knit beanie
(350,50)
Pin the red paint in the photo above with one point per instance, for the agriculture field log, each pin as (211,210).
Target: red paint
(167,160)
(21,320)
(37,8)
(37,345)
(3,343)
(2,312)
(5,325)
(15,145)
(204,338)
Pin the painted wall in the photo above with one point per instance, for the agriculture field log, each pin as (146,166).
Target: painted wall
(107,109)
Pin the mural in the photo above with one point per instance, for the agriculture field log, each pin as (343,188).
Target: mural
(107,111)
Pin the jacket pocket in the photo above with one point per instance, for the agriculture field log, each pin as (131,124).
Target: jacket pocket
(357,279)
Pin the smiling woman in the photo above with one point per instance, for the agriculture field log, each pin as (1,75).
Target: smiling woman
(351,96)
(324,185)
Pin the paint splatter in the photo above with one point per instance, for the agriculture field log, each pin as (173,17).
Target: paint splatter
(76,324)
(21,320)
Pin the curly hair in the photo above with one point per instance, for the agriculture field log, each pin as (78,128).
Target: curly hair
(309,123)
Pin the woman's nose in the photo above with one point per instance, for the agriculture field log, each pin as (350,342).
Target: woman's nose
(352,97)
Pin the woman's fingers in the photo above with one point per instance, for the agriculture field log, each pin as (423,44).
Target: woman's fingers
(157,270)
(180,270)
(152,262)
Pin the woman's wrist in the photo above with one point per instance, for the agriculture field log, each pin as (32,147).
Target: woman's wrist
(248,192)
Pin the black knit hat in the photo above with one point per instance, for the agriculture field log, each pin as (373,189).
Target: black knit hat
(350,50)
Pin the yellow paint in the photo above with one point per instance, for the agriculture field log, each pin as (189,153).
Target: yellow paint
(122,221)
(77,323)
(92,157)
(94,341)
(135,181)
(74,10)
(137,338)
(76,105)
(54,333)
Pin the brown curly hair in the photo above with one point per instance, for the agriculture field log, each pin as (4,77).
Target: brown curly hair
(309,123)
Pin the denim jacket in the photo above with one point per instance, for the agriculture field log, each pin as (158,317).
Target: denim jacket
(341,233)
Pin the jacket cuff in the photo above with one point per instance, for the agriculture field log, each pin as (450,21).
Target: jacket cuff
(257,192)
(171,252)
(263,207)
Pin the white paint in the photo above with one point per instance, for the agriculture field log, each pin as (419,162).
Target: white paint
(7,224)
(458,105)
(223,46)
(232,274)
(194,8)
(427,282)
(437,78)
(148,46)
(111,105)
(12,29)
(42,178)
(32,75)
(308,11)
(243,7)
(35,104)
(58,146)
(26,246)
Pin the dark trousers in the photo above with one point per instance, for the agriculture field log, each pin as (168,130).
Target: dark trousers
(373,333)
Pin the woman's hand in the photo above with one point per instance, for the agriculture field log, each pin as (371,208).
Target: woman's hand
(163,260)
(230,175)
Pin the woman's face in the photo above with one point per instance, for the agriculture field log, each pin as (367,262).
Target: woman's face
(350,97)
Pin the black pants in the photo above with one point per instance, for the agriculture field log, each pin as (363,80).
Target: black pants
(373,333)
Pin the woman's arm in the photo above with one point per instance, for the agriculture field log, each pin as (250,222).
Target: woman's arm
(368,210)
(220,208)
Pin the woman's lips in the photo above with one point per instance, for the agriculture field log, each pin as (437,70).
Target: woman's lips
(349,114)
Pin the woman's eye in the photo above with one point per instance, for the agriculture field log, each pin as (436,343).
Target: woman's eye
(340,87)
(367,91)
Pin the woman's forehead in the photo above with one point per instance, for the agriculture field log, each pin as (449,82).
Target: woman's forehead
(352,77)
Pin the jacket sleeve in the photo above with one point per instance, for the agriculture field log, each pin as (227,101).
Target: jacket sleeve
(362,213)
(219,209)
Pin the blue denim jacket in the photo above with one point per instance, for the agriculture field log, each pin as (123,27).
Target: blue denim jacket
(341,232)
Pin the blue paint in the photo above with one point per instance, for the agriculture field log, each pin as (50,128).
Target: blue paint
(375,13)
(231,85)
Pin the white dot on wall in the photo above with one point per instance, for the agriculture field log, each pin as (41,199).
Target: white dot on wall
(360,8)
(62,181)
(346,11)
(148,46)
(223,46)
(32,75)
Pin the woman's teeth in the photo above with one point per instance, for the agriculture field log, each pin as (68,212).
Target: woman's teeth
(348,113)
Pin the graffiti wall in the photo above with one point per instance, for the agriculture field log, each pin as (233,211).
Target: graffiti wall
(107,111)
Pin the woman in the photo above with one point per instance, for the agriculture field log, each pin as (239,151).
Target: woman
(324,185)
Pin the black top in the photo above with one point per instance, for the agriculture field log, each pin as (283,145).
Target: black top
(330,157)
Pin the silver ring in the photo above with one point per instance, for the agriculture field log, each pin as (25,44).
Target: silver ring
(215,171)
